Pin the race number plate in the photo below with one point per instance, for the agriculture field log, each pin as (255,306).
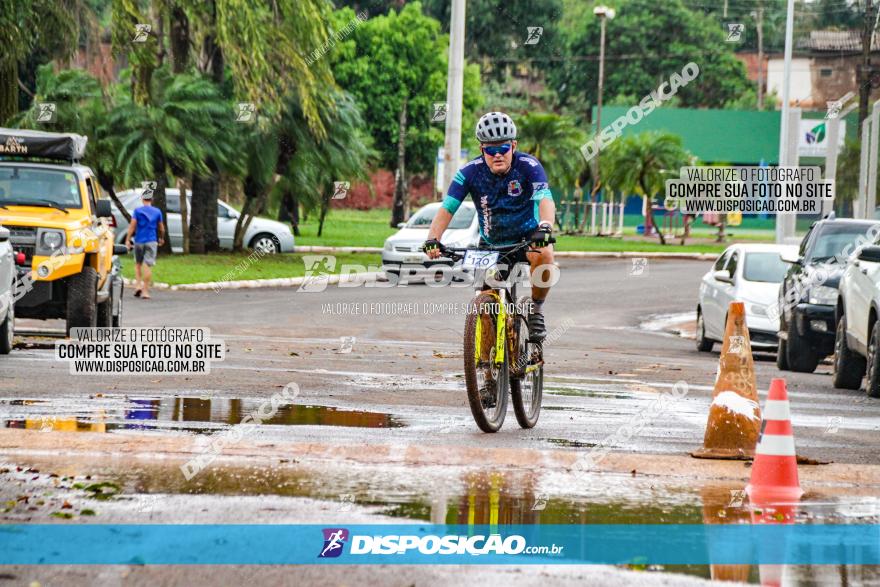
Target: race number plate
(480,259)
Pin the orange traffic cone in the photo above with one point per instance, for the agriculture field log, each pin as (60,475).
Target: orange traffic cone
(734,416)
(774,472)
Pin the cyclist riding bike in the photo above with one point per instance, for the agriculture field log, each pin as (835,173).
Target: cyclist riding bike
(513,200)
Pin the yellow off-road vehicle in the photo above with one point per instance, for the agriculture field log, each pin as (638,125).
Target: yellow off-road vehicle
(60,229)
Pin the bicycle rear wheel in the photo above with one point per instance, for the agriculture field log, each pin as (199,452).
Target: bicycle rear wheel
(485,373)
(526,373)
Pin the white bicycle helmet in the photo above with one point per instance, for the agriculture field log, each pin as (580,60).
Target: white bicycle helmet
(495,126)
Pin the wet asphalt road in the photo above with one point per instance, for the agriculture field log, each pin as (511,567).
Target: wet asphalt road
(397,386)
(405,363)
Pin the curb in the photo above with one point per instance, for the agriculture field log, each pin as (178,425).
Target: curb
(562,254)
(335,279)
(632,254)
(337,249)
(263,283)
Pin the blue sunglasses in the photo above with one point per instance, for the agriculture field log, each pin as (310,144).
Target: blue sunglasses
(493,150)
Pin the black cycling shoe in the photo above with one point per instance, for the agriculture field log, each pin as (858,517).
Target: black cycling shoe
(489,395)
(537,332)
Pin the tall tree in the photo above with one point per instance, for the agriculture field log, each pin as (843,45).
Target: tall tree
(263,48)
(185,123)
(26,26)
(394,64)
(646,43)
(497,33)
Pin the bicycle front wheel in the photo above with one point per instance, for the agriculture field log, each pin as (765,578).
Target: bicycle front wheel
(526,373)
(485,363)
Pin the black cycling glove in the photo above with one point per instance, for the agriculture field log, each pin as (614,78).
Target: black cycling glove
(541,237)
(431,244)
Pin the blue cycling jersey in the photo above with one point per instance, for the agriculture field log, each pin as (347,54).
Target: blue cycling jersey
(507,204)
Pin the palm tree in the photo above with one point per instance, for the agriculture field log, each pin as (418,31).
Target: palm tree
(342,155)
(641,163)
(254,52)
(185,122)
(555,141)
(314,165)
(82,107)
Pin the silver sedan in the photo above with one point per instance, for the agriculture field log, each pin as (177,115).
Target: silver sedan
(269,235)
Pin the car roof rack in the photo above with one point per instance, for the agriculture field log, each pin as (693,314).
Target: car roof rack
(35,144)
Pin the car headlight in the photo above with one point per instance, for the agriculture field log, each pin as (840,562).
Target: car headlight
(388,246)
(823,295)
(49,241)
(757,309)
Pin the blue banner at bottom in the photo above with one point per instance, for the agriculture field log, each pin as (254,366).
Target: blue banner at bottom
(668,544)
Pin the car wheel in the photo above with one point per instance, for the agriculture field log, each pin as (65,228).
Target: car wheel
(872,386)
(116,322)
(266,243)
(105,312)
(7,331)
(704,345)
(82,307)
(849,367)
(782,355)
(800,356)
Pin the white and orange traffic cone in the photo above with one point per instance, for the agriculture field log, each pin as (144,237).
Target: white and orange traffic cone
(770,575)
(774,477)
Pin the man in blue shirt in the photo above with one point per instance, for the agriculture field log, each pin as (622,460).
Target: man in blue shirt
(149,233)
(513,200)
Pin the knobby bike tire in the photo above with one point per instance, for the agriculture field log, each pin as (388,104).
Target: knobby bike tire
(526,415)
(492,421)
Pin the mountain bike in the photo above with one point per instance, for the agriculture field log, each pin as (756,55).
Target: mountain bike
(498,355)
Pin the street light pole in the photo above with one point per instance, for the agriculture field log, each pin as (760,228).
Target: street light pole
(759,13)
(784,156)
(602,13)
(454,93)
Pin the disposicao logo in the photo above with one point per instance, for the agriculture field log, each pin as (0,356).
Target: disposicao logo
(334,540)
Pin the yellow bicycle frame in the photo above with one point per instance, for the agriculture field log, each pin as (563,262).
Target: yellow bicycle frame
(500,332)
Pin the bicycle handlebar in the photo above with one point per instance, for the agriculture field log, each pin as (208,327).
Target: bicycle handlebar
(456,253)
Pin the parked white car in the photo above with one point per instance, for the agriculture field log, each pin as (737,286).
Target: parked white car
(857,338)
(269,235)
(749,273)
(405,246)
(7,307)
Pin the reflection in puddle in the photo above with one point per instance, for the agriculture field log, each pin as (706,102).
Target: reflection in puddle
(181,413)
(499,497)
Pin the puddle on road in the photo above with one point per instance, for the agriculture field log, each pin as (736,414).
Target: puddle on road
(190,414)
(581,392)
(443,495)
(570,443)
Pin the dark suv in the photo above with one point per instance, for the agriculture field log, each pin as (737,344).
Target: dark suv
(808,294)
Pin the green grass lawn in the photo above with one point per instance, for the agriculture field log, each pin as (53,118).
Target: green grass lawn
(357,228)
(645,245)
(177,269)
(369,228)
(348,228)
